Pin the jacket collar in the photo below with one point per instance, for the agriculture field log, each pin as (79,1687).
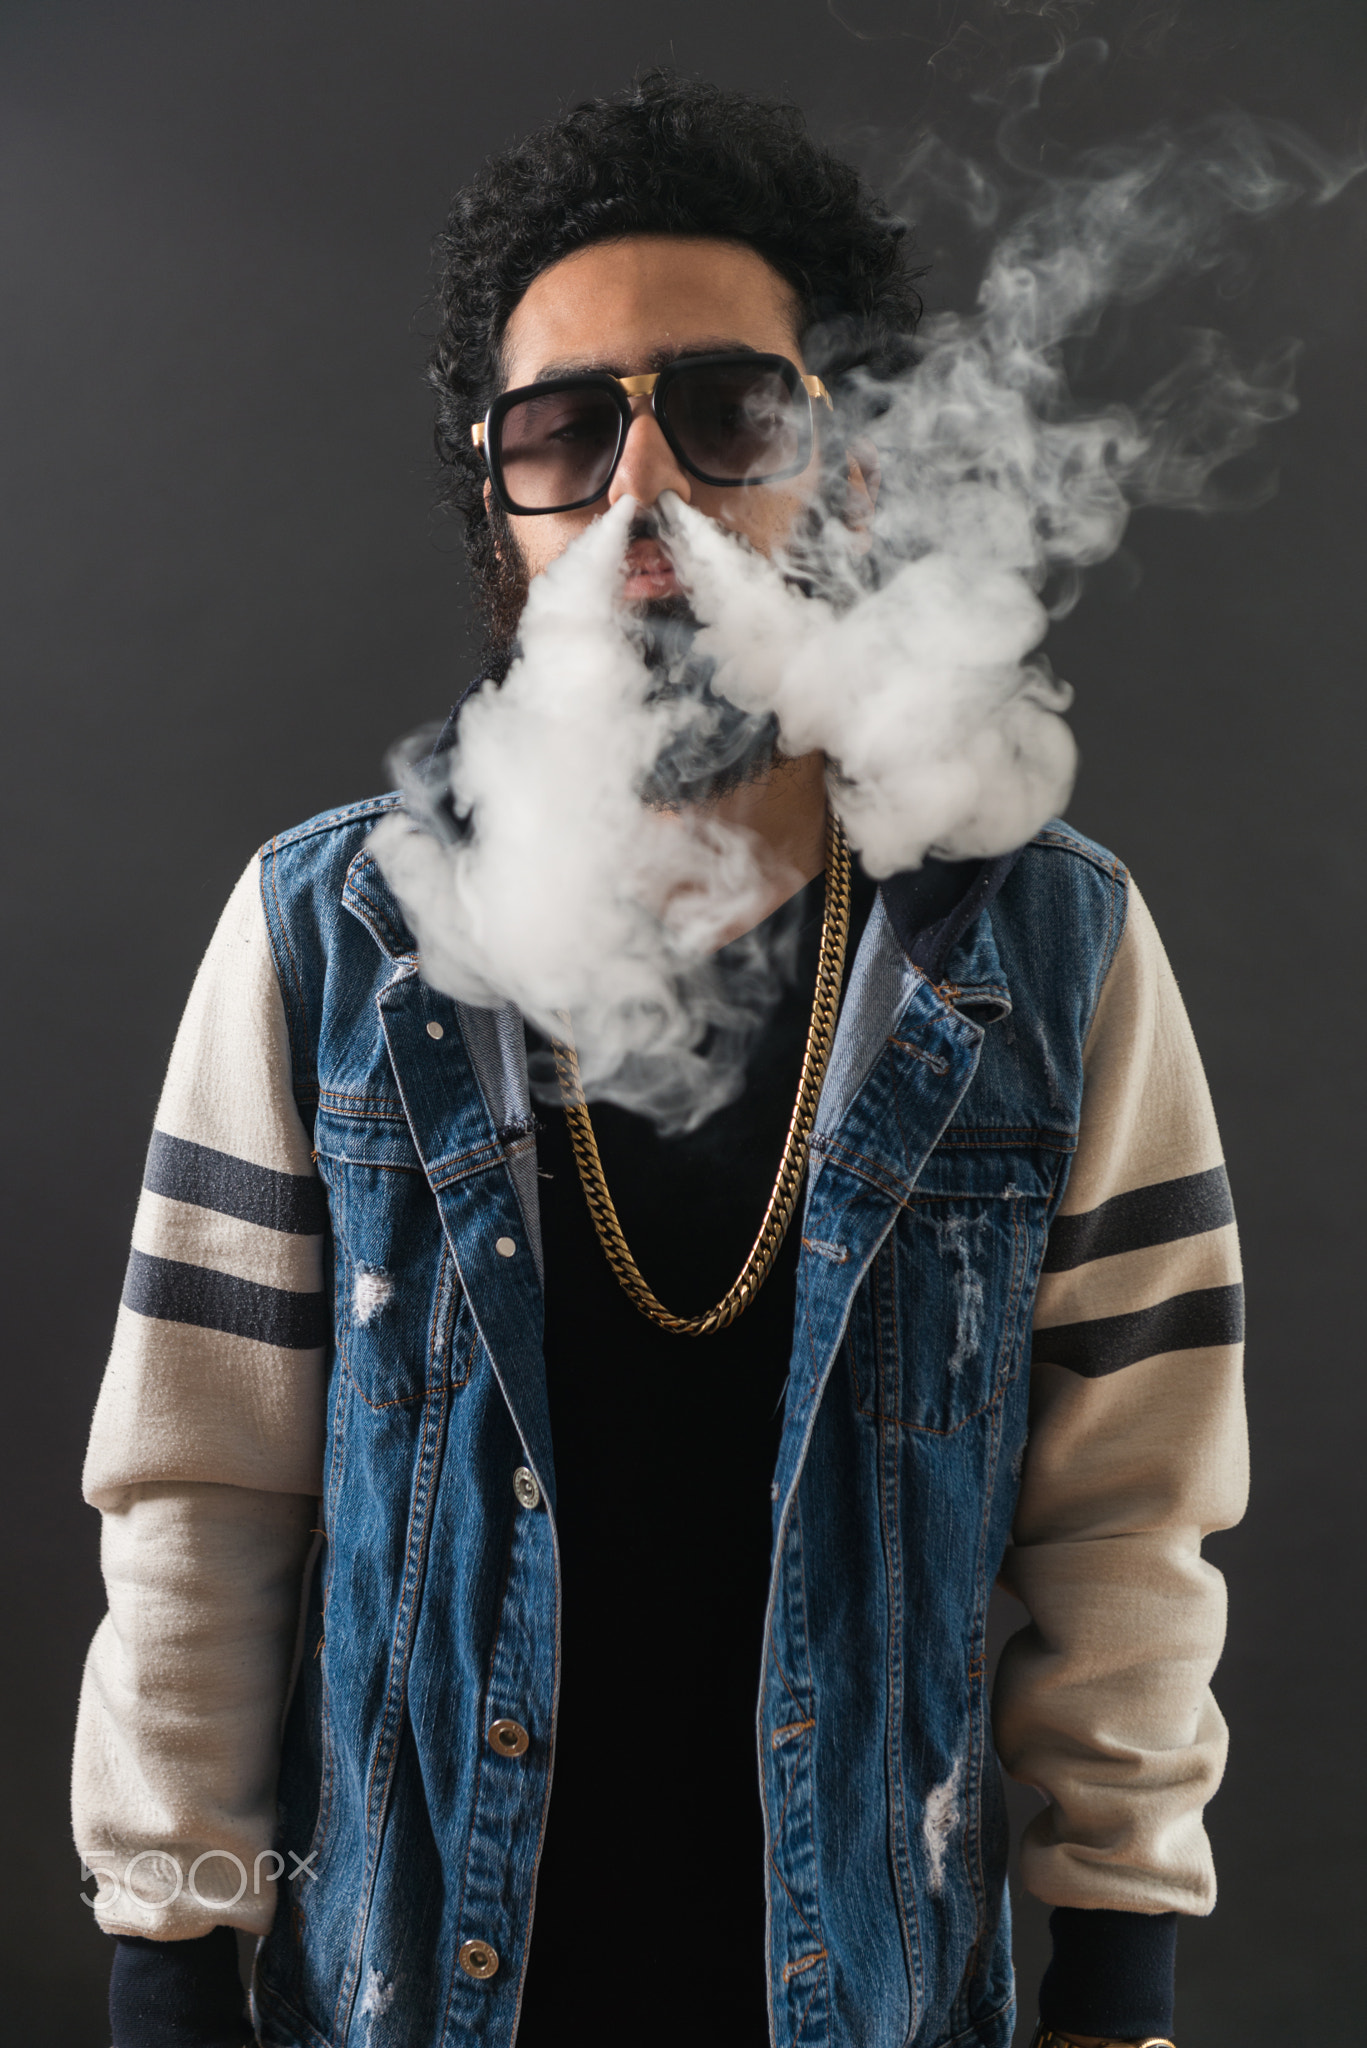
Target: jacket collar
(934,907)
(367,895)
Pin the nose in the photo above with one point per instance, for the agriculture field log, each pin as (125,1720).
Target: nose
(648,466)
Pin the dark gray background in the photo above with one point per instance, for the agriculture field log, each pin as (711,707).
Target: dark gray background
(223,596)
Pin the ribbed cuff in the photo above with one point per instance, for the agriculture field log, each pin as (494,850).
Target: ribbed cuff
(1112,1973)
(178,1994)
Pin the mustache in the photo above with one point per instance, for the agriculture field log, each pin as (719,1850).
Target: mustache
(716,747)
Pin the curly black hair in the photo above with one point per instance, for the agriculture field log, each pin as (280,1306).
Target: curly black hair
(671,156)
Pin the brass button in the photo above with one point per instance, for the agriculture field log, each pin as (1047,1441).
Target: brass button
(435,1030)
(478,1959)
(505,1247)
(525,1487)
(509,1738)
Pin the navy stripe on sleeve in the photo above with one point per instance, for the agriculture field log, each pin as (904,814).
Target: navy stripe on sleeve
(177,1293)
(1161,1214)
(1186,1322)
(234,1187)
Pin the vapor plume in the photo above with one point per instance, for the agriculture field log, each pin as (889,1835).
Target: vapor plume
(909,655)
(565,893)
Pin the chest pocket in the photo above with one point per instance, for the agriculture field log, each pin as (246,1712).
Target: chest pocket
(942,1320)
(402,1325)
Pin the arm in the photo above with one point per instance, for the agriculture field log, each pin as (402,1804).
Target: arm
(1136,1451)
(205,1461)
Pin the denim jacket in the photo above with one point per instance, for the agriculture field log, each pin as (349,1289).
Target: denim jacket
(941,1158)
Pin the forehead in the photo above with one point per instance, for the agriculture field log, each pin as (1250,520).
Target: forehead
(632,304)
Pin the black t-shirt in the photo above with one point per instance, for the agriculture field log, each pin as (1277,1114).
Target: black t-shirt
(664,1456)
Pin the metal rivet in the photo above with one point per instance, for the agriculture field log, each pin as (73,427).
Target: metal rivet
(526,1488)
(478,1959)
(509,1738)
(505,1247)
(435,1030)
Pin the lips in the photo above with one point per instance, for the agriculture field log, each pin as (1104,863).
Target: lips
(648,573)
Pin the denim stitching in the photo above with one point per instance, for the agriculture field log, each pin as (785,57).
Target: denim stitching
(475,1790)
(851,1350)
(978,1707)
(355,1095)
(266,1993)
(908,1911)
(294,965)
(857,1162)
(342,1103)
(372,1165)
(399,1400)
(806,2010)
(773,1862)
(1065,843)
(1109,951)
(804,1281)
(338,1447)
(348,814)
(778,1666)
(545,1802)
(932,1059)
(327,1757)
(986,1136)
(446,1308)
(454,1302)
(973,2032)
(390,1719)
(881,1413)
(392,937)
(476,1160)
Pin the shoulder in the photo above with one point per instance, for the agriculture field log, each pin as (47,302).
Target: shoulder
(1063,874)
(331,837)
(1060,918)
(1058,845)
(331,922)
(309,874)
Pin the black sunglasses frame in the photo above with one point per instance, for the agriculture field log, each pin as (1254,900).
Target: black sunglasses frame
(486,433)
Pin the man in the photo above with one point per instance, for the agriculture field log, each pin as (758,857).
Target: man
(464,1501)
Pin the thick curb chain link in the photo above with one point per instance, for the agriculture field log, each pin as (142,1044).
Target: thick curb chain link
(835,931)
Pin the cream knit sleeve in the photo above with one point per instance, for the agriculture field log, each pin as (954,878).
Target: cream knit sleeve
(205,1461)
(1136,1451)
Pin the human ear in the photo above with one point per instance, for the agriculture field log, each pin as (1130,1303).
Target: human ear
(489,515)
(863,477)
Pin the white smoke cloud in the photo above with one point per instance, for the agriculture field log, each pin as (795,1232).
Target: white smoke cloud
(569,896)
(915,669)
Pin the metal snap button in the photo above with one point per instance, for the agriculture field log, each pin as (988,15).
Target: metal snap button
(435,1030)
(509,1738)
(525,1487)
(505,1247)
(478,1959)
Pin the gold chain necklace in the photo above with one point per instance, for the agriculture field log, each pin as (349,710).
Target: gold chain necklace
(835,931)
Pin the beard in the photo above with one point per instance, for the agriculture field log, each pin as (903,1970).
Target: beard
(716,747)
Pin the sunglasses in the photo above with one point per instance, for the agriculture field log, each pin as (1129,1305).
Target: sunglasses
(729,419)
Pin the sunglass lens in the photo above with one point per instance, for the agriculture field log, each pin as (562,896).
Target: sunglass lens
(738,423)
(556,449)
